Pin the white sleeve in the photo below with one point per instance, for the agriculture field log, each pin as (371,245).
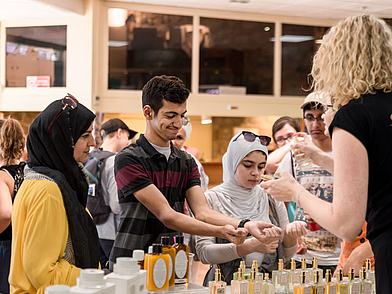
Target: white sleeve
(111,185)
(283,221)
(211,253)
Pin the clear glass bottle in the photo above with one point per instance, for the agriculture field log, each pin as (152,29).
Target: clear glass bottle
(330,287)
(267,287)
(217,286)
(254,283)
(302,160)
(342,285)
(306,270)
(366,285)
(280,279)
(293,275)
(315,268)
(370,275)
(240,286)
(302,287)
(354,284)
(181,261)
(317,286)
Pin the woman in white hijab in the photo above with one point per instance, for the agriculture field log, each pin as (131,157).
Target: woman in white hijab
(240,196)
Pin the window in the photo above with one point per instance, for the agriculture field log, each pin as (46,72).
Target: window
(299,44)
(148,44)
(236,56)
(36,55)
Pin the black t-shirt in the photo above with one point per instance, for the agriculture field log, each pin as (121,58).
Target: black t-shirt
(369,119)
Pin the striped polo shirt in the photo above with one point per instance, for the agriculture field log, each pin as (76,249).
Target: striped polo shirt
(136,167)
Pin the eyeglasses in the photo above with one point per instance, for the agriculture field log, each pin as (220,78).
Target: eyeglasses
(281,140)
(70,102)
(250,137)
(311,119)
(186,121)
(326,107)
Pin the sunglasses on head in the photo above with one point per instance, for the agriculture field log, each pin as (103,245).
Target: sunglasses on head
(69,102)
(250,137)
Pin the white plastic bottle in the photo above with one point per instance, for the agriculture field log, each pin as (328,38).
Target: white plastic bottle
(92,281)
(127,276)
(57,289)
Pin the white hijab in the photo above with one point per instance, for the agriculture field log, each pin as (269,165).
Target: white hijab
(232,199)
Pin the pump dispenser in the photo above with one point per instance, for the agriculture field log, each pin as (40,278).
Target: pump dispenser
(139,256)
(92,281)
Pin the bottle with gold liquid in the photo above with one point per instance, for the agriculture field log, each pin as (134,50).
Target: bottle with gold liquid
(341,285)
(239,285)
(317,286)
(280,279)
(366,285)
(302,287)
(254,283)
(330,287)
(315,268)
(168,249)
(157,265)
(307,271)
(217,286)
(293,275)
(353,284)
(181,261)
(370,274)
(267,287)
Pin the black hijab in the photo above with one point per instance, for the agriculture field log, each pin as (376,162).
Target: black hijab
(53,157)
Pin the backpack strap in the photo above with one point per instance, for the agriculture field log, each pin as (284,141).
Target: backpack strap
(96,181)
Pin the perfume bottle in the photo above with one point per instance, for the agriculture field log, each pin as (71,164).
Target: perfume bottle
(157,265)
(293,275)
(315,268)
(217,286)
(302,160)
(342,286)
(168,249)
(254,283)
(302,287)
(370,275)
(259,276)
(267,287)
(354,284)
(306,270)
(181,261)
(239,285)
(280,279)
(366,285)
(317,286)
(330,287)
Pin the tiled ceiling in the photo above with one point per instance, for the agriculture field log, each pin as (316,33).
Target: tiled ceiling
(334,9)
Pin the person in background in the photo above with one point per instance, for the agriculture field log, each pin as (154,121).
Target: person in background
(240,196)
(53,236)
(354,67)
(12,143)
(319,243)
(115,136)
(154,178)
(283,132)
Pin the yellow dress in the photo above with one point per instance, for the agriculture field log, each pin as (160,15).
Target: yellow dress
(39,238)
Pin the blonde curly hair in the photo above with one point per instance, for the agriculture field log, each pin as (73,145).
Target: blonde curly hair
(354,59)
(12,140)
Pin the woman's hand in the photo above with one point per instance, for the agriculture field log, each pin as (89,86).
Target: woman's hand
(306,146)
(296,229)
(285,189)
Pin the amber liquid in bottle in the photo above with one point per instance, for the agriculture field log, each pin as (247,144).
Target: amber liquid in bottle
(157,265)
(181,261)
(168,249)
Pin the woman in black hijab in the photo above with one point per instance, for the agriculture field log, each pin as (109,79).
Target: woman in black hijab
(53,235)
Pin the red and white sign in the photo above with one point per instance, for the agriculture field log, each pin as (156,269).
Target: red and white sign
(38,81)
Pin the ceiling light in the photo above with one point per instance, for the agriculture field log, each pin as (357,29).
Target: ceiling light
(206,119)
(293,38)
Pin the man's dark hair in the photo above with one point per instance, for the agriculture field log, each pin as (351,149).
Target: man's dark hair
(281,122)
(170,88)
(312,105)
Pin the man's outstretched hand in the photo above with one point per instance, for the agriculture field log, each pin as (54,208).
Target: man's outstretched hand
(263,231)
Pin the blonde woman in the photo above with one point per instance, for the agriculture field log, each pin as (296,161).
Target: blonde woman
(354,66)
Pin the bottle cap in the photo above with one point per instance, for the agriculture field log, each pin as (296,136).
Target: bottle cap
(303,263)
(351,274)
(156,248)
(126,266)
(57,289)
(339,275)
(253,274)
(368,264)
(280,265)
(165,240)
(314,262)
(266,276)
(217,275)
(302,277)
(91,278)
(362,273)
(293,264)
(138,254)
(179,239)
(316,277)
(149,249)
(328,276)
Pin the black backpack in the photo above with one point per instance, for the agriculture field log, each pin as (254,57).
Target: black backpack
(95,201)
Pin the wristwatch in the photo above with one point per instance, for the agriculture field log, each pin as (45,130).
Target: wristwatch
(243,222)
